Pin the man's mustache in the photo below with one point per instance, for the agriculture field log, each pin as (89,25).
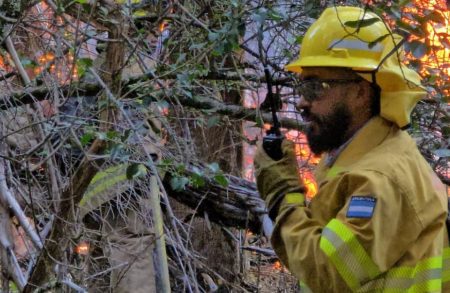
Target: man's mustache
(308,116)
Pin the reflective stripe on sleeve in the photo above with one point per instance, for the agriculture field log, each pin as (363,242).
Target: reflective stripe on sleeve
(347,254)
(362,275)
(446,265)
(294,198)
(424,277)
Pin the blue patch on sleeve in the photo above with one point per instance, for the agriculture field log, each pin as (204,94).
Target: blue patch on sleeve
(361,207)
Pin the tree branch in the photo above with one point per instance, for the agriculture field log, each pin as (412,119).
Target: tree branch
(33,95)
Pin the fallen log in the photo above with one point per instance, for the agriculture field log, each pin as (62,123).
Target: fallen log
(236,205)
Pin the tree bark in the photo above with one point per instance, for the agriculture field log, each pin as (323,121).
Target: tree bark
(53,247)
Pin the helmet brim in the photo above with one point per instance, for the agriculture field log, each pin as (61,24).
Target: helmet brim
(358,64)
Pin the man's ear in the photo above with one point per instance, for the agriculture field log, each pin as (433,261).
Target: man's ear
(364,91)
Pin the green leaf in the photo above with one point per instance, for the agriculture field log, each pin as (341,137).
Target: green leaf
(180,168)
(299,39)
(139,13)
(178,183)
(214,167)
(259,122)
(197,171)
(13,287)
(136,170)
(309,5)
(221,179)
(117,152)
(274,15)
(212,36)
(83,64)
(111,134)
(86,138)
(259,16)
(28,63)
(82,1)
(362,22)
(197,181)
(195,46)
(213,121)
(446,131)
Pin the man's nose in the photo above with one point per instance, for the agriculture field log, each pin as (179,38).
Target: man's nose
(303,103)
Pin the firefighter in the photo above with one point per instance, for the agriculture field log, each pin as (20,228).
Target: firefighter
(377,223)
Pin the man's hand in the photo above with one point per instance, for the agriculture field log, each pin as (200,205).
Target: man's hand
(275,179)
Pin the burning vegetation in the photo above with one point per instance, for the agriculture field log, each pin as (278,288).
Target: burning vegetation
(81,89)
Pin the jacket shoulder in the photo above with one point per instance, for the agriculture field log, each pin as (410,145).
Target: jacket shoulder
(399,159)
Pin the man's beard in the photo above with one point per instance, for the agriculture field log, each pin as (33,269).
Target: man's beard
(332,129)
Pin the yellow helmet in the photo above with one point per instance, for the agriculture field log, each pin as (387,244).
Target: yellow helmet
(358,39)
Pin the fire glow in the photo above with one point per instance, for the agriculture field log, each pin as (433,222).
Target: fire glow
(82,248)
(437,37)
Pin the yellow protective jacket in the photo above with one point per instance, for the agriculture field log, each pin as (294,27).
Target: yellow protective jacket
(377,223)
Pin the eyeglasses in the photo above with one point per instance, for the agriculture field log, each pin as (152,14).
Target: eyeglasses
(312,89)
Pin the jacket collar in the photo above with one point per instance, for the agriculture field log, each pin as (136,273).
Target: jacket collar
(368,137)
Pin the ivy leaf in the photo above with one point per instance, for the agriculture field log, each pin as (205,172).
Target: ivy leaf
(213,121)
(197,181)
(309,5)
(260,16)
(212,36)
(135,170)
(83,64)
(275,15)
(112,134)
(362,22)
(179,183)
(86,138)
(197,171)
(214,167)
(221,179)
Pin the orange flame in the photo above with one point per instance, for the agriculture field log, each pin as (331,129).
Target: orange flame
(437,36)
(82,248)
(310,183)
(4,64)
(277,266)
(163,25)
